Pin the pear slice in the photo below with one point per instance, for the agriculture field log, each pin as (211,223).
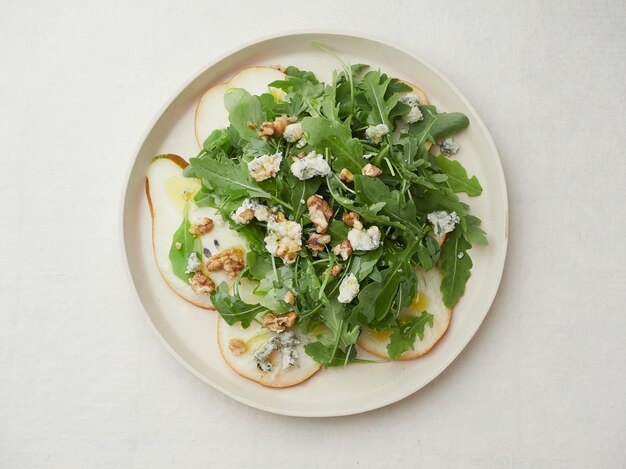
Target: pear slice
(430,299)
(210,111)
(251,339)
(417,91)
(165,184)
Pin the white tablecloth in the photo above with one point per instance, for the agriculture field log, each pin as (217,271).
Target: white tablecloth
(83,383)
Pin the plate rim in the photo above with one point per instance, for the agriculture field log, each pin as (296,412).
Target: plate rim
(369,405)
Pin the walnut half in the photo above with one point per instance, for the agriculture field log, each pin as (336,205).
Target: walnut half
(343,249)
(198,229)
(319,212)
(279,322)
(317,242)
(200,283)
(230,261)
(275,127)
(371,170)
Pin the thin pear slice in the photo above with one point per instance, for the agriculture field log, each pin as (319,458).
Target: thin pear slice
(210,111)
(429,299)
(164,186)
(252,339)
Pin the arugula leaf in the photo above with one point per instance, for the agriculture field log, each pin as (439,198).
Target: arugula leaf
(227,178)
(232,308)
(445,124)
(243,108)
(428,252)
(338,231)
(363,265)
(372,190)
(300,191)
(403,338)
(376,298)
(188,244)
(473,233)
(327,355)
(455,265)
(368,213)
(325,134)
(375,88)
(457,176)
(258,265)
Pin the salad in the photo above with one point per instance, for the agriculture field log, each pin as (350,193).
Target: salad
(345,197)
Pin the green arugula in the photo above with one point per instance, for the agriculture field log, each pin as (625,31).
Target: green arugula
(403,337)
(455,264)
(233,309)
(188,244)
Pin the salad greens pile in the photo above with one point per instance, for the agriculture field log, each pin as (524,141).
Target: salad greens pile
(414,182)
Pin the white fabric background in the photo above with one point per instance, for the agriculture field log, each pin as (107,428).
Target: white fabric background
(83,383)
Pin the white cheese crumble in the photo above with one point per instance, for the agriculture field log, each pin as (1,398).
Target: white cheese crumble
(193,263)
(449,146)
(261,212)
(414,114)
(348,289)
(265,167)
(286,342)
(443,222)
(310,166)
(375,133)
(284,240)
(364,240)
(293,132)
(410,99)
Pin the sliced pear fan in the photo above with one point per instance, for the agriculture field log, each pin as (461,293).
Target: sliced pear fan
(244,364)
(431,300)
(210,111)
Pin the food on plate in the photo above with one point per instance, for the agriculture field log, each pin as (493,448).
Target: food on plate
(421,324)
(316,218)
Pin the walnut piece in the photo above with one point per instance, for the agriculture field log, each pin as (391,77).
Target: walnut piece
(230,261)
(334,271)
(352,219)
(237,346)
(317,242)
(278,216)
(346,175)
(200,283)
(279,322)
(371,170)
(290,298)
(247,215)
(343,249)
(319,212)
(275,128)
(205,225)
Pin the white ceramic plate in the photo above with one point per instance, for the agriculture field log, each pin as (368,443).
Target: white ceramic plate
(189,333)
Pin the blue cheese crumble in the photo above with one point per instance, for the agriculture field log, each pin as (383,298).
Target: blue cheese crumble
(293,132)
(286,342)
(449,146)
(349,289)
(414,114)
(284,240)
(443,222)
(310,166)
(364,240)
(375,133)
(265,166)
(193,263)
